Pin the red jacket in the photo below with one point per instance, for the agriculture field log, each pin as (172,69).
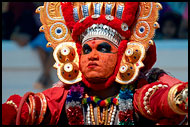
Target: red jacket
(56,97)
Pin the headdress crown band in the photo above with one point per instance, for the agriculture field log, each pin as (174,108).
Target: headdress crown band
(101,31)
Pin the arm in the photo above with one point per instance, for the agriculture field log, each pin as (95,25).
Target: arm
(157,101)
(34,108)
(10,109)
(25,110)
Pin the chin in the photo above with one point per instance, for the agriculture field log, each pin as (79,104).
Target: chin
(96,80)
(93,74)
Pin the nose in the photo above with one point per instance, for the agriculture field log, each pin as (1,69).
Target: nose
(93,55)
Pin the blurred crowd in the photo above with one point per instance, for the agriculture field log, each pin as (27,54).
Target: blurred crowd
(20,17)
(173,21)
(21,24)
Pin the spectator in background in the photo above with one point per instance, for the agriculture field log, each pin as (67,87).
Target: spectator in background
(183,32)
(165,8)
(169,25)
(21,24)
(7,21)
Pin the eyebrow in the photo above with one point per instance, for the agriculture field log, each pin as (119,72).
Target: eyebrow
(101,44)
(86,46)
(105,44)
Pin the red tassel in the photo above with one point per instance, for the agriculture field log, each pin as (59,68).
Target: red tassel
(67,10)
(129,12)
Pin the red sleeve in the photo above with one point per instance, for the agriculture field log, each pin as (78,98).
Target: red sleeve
(55,97)
(152,102)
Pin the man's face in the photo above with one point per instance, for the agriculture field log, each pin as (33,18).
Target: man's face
(98,60)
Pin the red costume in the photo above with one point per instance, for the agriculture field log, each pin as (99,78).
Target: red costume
(113,49)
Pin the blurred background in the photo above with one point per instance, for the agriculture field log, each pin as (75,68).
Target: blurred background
(27,63)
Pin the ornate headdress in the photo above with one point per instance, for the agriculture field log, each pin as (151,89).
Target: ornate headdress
(130,26)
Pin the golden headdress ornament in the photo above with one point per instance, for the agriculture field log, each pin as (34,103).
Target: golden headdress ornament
(67,25)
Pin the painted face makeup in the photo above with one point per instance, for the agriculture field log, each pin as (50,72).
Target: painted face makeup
(98,60)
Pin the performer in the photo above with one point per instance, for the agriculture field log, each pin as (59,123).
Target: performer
(103,55)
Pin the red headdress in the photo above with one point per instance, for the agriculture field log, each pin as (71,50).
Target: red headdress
(130,26)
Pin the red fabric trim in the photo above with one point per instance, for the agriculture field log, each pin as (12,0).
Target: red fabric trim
(111,79)
(67,11)
(150,58)
(129,12)
(55,97)
(79,28)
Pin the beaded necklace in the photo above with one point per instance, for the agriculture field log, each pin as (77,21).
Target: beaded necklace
(76,99)
(99,102)
(90,100)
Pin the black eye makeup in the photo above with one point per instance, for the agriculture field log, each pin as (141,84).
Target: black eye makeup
(86,49)
(104,48)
